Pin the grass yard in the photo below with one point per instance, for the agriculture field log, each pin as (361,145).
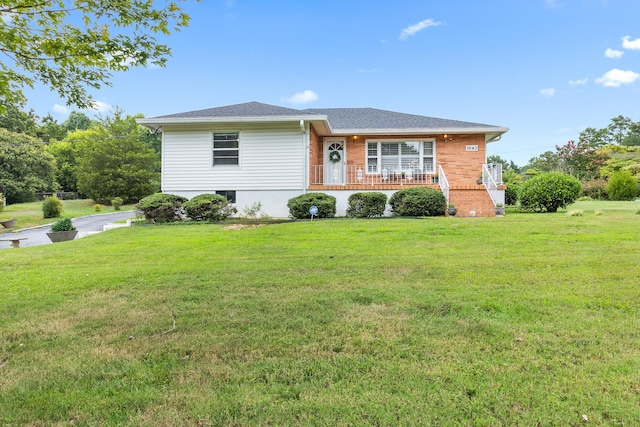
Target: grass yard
(530,319)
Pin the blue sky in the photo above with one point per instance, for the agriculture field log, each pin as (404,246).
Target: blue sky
(547,69)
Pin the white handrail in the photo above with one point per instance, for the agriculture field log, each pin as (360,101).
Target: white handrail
(444,183)
(497,196)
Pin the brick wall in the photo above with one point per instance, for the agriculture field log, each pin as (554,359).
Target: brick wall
(461,167)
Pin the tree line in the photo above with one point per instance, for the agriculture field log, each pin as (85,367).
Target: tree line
(102,158)
(606,161)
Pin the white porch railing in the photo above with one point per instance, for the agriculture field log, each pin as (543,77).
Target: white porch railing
(444,183)
(357,175)
(491,177)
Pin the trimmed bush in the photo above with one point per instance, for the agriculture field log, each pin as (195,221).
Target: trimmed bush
(1,202)
(365,205)
(549,191)
(116,202)
(418,201)
(63,224)
(596,189)
(52,207)
(161,207)
(299,206)
(209,207)
(622,186)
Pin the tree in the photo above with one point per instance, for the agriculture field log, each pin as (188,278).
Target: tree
(65,155)
(545,162)
(25,167)
(581,160)
(73,46)
(77,121)
(113,161)
(14,119)
(618,129)
(50,130)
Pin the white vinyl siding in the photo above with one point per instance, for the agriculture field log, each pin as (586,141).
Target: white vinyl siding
(270,158)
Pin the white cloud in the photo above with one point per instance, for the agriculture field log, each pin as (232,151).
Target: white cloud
(60,109)
(547,93)
(579,82)
(616,78)
(100,107)
(415,28)
(614,54)
(627,43)
(303,97)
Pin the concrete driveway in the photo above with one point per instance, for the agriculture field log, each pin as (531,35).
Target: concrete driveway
(86,225)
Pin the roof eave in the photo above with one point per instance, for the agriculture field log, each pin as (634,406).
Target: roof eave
(204,120)
(413,131)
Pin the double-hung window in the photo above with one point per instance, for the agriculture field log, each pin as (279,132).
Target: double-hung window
(400,156)
(226,148)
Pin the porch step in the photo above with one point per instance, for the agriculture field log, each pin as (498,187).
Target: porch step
(471,200)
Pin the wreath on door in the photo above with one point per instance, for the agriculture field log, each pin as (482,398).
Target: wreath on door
(334,156)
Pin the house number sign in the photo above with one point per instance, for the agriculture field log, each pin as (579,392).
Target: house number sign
(472,148)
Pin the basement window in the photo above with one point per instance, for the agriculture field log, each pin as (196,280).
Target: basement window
(230,195)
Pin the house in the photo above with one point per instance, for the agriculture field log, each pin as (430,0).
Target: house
(254,152)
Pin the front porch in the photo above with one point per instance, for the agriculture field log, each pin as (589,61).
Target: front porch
(471,200)
(356,177)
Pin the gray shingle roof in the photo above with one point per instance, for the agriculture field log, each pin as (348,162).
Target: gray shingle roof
(247,109)
(371,118)
(367,120)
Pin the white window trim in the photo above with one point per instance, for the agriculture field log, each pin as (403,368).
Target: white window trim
(379,142)
(213,165)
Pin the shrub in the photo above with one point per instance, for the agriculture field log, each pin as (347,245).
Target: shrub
(97,207)
(622,186)
(209,207)
(116,202)
(254,210)
(511,193)
(548,192)
(63,224)
(161,207)
(299,206)
(1,202)
(364,205)
(595,188)
(52,207)
(418,201)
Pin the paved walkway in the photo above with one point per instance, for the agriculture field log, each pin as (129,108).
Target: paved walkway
(37,236)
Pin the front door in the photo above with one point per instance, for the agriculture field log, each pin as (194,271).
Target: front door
(334,162)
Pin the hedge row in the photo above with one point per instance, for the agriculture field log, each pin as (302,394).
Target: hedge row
(162,207)
(418,201)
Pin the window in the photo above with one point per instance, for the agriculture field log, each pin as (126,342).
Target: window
(399,156)
(228,194)
(225,149)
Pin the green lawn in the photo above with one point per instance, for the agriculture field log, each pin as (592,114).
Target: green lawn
(30,214)
(530,319)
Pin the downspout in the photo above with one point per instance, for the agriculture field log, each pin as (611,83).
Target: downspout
(305,157)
